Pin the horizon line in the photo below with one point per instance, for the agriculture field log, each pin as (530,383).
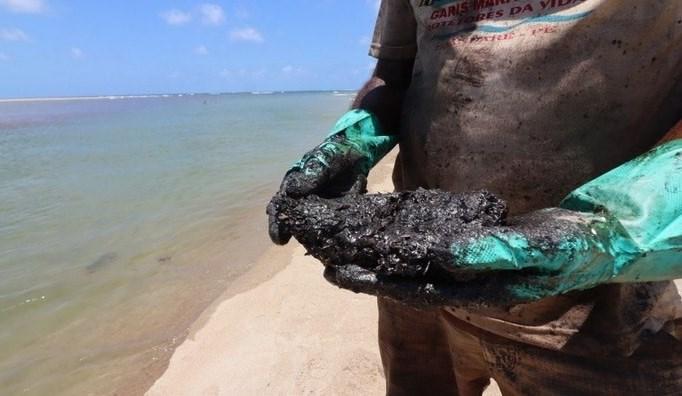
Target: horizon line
(163,95)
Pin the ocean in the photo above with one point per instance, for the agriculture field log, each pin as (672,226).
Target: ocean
(123,218)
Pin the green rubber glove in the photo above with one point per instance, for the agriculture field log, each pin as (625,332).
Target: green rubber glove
(337,166)
(625,226)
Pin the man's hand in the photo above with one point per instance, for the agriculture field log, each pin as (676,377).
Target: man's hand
(336,167)
(625,226)
(331,169)
(359,140)
(557,250)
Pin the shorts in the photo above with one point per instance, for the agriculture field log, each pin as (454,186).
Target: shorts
(431,352)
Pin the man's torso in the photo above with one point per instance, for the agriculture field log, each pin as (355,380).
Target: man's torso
(529,100)
(537,97)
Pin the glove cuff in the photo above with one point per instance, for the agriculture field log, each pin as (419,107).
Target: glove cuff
(643,196)
(364,135)
(357,134)
(350,119)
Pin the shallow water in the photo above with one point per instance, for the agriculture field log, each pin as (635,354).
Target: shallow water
(121,220)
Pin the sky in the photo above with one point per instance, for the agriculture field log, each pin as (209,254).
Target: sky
(54,48)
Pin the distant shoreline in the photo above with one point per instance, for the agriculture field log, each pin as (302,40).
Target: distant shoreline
(344,92)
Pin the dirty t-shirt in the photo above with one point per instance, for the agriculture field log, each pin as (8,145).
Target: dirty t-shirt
(529,100)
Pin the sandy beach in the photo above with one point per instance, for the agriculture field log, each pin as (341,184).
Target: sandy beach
(283,330)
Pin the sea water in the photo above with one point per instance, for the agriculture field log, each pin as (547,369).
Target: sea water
(122,218)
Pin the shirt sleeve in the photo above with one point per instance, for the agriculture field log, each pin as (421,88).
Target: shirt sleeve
(395,32)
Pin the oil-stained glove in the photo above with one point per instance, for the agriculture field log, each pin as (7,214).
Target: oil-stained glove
(336,167)
(625,226)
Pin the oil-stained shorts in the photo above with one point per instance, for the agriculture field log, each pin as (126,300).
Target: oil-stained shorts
(433,353)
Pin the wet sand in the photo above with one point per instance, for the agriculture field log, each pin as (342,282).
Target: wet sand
(282,329)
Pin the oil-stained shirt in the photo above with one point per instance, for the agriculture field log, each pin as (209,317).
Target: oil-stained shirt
(529,100)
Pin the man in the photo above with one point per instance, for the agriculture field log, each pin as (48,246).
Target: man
(529,100)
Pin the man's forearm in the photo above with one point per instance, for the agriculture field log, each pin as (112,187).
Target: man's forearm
(384,93)
(674,133)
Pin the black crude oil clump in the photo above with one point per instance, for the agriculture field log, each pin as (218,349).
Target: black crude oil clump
(398,235)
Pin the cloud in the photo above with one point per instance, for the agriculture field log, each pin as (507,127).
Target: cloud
(77,53)
(24,6)
(212,14)
(13,34)
(201,50)
(247,34)
(176,17)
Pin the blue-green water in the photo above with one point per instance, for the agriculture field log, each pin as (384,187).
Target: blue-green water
(121,220)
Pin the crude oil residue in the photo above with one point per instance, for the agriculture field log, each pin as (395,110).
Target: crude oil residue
(397,234)
(394,244)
